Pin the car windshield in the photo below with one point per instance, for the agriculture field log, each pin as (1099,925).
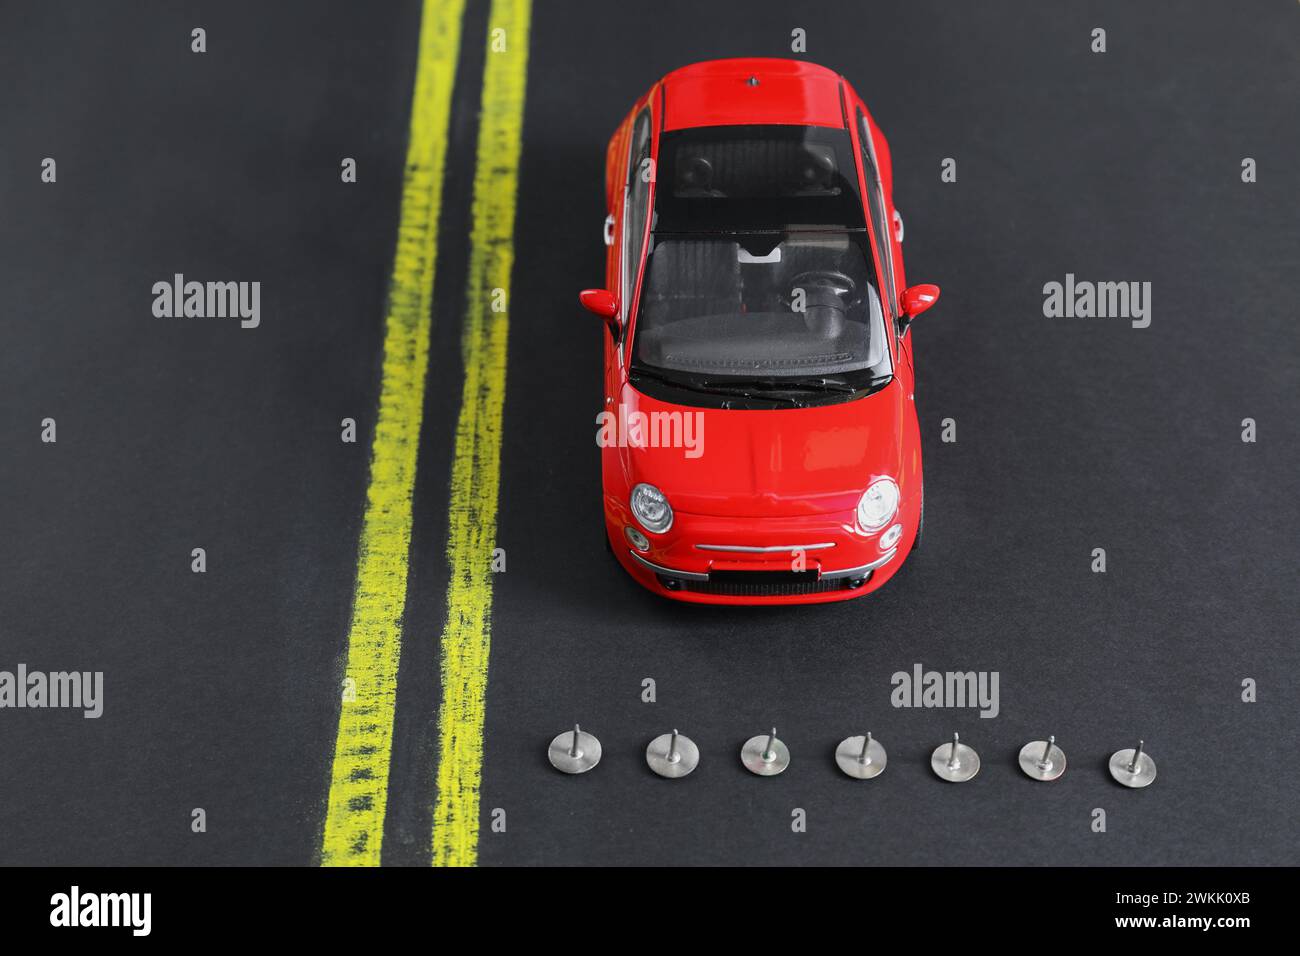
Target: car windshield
(759,287)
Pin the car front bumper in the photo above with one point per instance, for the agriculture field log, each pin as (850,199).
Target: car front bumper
(788,560)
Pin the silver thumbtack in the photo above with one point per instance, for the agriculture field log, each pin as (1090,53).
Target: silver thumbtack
(1042,759)
(954,762)
(1133,768)
(574,751)
(860,757)
(765,755)
(672,755)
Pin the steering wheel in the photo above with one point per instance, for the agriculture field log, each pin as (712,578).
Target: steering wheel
(824,282)
(827,296)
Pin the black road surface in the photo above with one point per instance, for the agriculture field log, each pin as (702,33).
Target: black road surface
(221,689)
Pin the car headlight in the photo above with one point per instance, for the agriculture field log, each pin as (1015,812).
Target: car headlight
(651,508)
(878,504)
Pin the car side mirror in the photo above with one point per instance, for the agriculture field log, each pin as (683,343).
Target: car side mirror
(916,299)
(601,302)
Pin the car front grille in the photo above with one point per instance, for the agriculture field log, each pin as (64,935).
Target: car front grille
(762,583)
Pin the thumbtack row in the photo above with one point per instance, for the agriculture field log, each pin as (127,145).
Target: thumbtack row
(674,755)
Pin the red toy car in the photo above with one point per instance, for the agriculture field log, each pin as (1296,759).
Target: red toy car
(759,438)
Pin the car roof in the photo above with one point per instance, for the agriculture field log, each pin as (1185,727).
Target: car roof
(752,90)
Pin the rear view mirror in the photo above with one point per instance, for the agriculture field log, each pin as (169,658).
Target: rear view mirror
(916,299)
(601,302)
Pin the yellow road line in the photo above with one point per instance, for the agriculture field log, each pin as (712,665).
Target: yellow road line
(354,821)
(476,472)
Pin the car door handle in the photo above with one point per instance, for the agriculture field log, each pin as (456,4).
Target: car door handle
(609,229)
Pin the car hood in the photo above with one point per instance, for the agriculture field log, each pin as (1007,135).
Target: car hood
(768,462)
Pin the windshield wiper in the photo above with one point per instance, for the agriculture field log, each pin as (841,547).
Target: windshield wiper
(805,384)
(715,388)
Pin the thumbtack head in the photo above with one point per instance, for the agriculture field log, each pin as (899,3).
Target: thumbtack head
(672,755)
(1042,759)
(765,755)
(1133,767)
(955,762)
(574,751)
(860,757)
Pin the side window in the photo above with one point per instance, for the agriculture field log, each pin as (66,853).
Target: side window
(638,201)
(876,204)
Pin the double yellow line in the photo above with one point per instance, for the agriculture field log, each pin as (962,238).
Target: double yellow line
(476,468)
(354,823)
